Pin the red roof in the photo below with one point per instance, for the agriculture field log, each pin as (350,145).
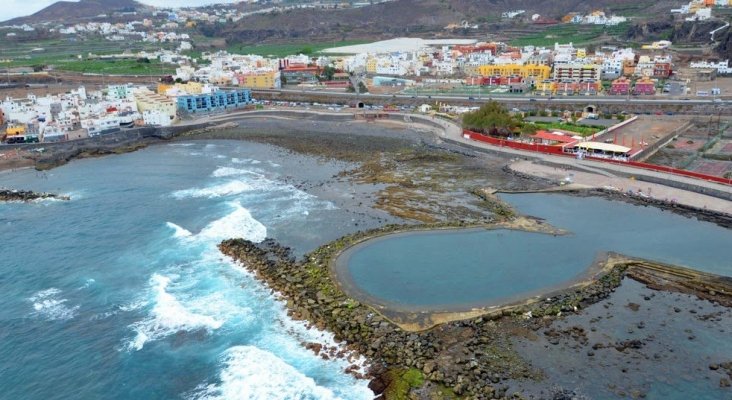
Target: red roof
(544,135)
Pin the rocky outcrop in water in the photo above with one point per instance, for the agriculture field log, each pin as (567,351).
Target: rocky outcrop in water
(27,195)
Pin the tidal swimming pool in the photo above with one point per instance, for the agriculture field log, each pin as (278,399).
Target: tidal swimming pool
(451,270)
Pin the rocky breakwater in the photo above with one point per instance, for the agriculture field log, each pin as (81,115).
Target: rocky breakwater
(471,358)
(27,195)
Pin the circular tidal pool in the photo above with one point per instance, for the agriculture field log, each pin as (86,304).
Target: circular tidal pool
(450,270)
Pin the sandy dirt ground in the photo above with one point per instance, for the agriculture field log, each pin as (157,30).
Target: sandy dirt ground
(590,180)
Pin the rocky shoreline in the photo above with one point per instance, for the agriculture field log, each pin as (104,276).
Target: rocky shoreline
(28,195)
(470,358)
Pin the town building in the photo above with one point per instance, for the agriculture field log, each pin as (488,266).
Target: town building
(644,86)
(258,80)
(156,109)
(540,72)
(294,74)
(620,86)
(218,100)
(576,72)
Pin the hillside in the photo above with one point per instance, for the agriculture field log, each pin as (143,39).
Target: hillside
(413,17)
(68,11)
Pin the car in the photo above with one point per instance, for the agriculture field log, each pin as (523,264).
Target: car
(471,98)
(532,99)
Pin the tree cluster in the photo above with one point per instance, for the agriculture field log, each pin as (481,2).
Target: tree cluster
(493,119)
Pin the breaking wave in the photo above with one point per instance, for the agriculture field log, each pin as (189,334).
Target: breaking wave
(180,232)
(225,189)
(168,316)
(229,171)
(238,224)
(48,304)
(252,373)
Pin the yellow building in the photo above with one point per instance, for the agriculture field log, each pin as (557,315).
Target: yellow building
(13,130)
(260,80)
(371,63)
(147,100)
(581,53)
(540,72)
(546,87)
(188,87)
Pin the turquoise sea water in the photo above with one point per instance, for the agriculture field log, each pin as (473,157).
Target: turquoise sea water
(455,269)
(121,292)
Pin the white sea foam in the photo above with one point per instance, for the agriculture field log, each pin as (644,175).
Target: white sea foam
(237,224)
(181,144)
(229,171)
(304,333)
(167,317)
(48,200)
(48,304)
(44,294)
(135,305)
(225,189)
(256,374)
(180,232)
(240,160)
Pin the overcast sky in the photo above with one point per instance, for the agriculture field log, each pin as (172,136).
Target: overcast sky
(19,8)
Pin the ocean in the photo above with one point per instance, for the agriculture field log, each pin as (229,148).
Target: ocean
(121,292)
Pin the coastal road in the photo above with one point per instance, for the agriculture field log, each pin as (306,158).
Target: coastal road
(717,103)
(453,132)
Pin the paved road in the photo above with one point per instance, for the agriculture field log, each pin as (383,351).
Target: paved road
(519,99)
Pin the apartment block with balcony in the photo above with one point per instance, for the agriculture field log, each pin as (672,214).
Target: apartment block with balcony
(571,72)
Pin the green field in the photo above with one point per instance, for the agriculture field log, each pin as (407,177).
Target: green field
(117,67)
(565,33)
(64,54)
(286,49)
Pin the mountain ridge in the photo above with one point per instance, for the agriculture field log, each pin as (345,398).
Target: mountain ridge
(69,11)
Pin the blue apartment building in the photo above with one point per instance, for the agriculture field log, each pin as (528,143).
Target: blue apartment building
(217,101)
